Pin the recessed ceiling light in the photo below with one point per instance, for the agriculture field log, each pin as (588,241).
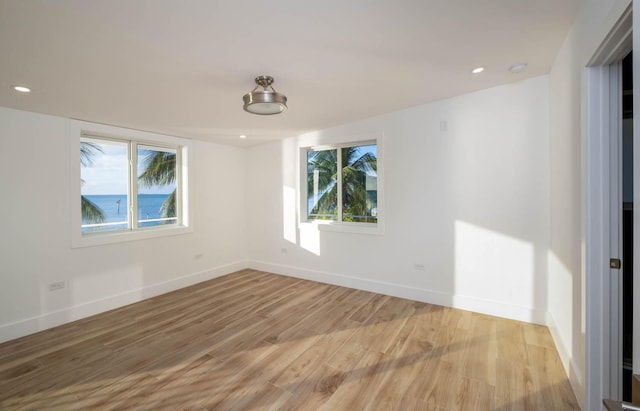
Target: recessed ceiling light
(518,68)
(22,89)
(477,70)
(243,136)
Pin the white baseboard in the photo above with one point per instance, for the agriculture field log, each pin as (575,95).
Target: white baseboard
(412,293)
(55,318)
(573,372)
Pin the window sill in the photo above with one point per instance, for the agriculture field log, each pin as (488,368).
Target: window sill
(353,228)
(92,239)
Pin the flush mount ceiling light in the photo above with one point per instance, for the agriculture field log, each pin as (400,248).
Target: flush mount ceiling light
(477,70)
(266,101)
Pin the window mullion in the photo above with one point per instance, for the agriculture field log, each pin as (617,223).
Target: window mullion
(133,184)
(339,181)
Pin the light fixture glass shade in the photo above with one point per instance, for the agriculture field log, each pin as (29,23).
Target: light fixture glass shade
(266,101)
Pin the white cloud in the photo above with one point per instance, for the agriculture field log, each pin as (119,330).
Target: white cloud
(108,173)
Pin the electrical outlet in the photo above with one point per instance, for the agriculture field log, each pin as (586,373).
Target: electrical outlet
(419,267)
(283,250)
(198,256)
(58,285)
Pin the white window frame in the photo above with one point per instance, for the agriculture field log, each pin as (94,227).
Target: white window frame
(134,138)
(338,225)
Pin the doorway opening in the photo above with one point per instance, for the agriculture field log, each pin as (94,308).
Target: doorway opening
(627,226)
(604,211)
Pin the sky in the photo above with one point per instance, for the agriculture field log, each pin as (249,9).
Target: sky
(108,174)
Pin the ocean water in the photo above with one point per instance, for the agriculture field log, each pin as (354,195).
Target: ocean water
(114,207)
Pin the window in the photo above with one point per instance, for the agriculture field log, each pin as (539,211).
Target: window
(342,185)
(129,189)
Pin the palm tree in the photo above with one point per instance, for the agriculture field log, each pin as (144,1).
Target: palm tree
(160,170)
(91,213)
(322,166)
(322,169)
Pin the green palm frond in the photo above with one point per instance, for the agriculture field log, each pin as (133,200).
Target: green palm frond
(327,203)
(91,213)
(325,163)
(322,165)
(355,168)
(87,151)
(159,169)
(367,162)
(169,206)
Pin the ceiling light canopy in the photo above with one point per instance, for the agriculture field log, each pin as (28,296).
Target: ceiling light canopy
(266,101)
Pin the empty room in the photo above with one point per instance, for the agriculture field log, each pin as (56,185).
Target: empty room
(356,205)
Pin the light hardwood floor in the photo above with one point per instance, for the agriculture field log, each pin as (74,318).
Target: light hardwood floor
(258,341)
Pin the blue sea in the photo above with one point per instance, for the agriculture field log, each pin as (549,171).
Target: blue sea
(114,207)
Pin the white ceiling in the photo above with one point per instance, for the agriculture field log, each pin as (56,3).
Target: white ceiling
(181,67)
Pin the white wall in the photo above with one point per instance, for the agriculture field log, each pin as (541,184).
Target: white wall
(470,203)
(35,237)
(566,256)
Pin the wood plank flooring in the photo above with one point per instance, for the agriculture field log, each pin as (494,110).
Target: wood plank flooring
(257,341)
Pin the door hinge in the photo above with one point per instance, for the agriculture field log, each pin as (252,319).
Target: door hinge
(615,263)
